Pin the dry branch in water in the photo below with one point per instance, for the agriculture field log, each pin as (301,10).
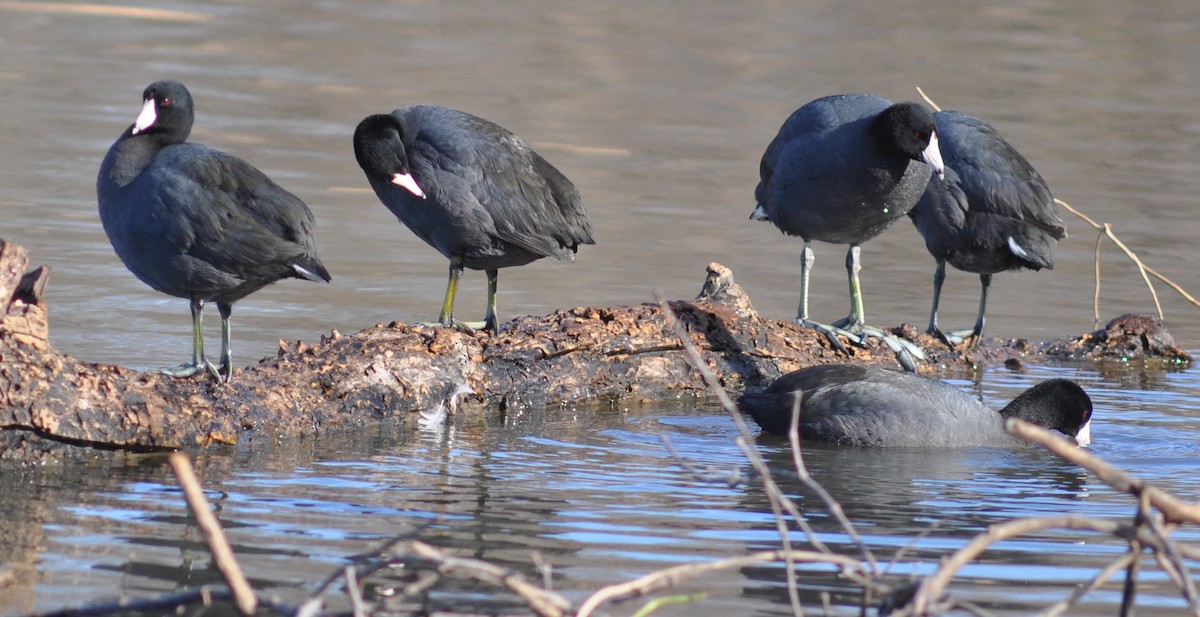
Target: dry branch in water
(213,534)
(1144,532)
(1158,514)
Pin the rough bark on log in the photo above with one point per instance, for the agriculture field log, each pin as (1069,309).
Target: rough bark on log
(50,402)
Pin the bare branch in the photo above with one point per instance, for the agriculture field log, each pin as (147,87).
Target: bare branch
(669,577)
(218,545)
(932,587)
(544,603)
(1064,605)
(1174,509)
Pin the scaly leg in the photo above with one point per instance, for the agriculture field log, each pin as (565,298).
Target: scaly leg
(854,325)
(225,370)
(490,321)
(198,363)
(446,318)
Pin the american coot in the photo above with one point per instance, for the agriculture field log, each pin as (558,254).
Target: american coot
(873,406)
(992,212)
(843,169)
(197,223)
(472,190)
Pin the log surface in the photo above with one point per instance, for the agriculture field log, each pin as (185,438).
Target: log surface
(52,404)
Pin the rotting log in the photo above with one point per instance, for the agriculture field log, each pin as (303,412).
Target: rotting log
(51,402)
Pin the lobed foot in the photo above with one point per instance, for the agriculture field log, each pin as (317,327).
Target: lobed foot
(956,338)
(907,352)
(466,327)
(189,369)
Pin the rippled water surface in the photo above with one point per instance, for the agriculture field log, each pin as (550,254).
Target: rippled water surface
(659,112)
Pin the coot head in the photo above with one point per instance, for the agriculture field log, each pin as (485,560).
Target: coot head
(167,112)
(1058,404)
(379,149)
(909,130)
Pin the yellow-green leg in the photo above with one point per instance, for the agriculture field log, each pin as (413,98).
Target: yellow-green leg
(446,318)
(853,326)
(198,363)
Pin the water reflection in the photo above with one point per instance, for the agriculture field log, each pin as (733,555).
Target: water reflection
(590,490)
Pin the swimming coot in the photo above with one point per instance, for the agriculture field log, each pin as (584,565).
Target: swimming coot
(472,190)
(196,223)
(842,170)
(991,213)
(874,406)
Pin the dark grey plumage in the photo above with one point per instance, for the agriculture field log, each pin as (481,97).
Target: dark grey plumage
(197,223)
(472,190)
(843,169)
(873,406)
(991,213)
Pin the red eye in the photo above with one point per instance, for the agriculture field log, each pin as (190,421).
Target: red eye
(165,103)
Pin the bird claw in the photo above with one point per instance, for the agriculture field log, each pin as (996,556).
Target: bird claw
(907,352)
(968,338)
(466,327)
(189,369)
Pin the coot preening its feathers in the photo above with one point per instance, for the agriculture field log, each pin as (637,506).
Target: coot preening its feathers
(842,170)
(196,223)
(472,190)
(991,213)
(873,406)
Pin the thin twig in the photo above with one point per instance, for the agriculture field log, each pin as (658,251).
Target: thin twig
(1129,588)
(1106,230)
(932,587)
(544,603)
(1174,509)
(775,496)
(1096,295)
(218,545)
(1064,605)
(927,99)
(731,478)
(912,543)
(1172,561)
(835,508)
(1151,271)
(352,590)
(669,577)
(545,568)
(1140,266)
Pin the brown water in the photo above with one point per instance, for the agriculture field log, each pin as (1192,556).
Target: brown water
(658,111)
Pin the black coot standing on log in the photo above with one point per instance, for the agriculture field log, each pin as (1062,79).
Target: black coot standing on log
(991,213)
(842,170)
(874,406)
(472,190)
(196,223)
